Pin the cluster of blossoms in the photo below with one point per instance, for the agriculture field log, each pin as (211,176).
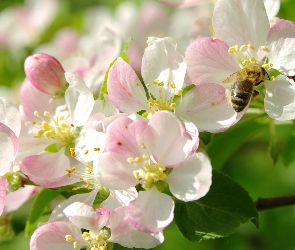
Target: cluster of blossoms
(136,142)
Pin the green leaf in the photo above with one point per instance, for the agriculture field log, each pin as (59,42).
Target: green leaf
(219,214)
(223,145)
(289,151)
(41,202)
(273,150)
(123,54)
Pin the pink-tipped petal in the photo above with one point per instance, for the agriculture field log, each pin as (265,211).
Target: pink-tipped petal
(208,61)
(236,22)
(48,169)
(126,235)
(196,173)
(124,136)
(52,236)
(151,211)
(125,90)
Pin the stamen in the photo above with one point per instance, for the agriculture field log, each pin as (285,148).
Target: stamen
(68,238)
(251,47)
(265,49)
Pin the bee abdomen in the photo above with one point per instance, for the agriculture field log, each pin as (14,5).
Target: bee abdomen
(241,94)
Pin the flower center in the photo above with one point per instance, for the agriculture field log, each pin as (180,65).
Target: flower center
(94,241)
(247,54)
(149,172)
(165,97)
(57,130)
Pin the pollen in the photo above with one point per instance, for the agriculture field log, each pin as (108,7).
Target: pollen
(149,171)
(97,241)
(68,238)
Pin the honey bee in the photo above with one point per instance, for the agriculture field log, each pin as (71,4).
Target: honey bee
(244,81)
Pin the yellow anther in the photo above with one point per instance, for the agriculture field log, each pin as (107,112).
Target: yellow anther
(160,84)
(242,48)
(252,60)
(47,114)
(236,47)
(173,85)
(173,105)
(245,62)
(143,146)
(96,149)
(251,47)
(265,49)
(137,160)
(179,92)
(272,78)
(48,134)
(156,81)
(231,50)
(86,152)
(68,238)
(36,113)
(130,160)
(76,244)
(45,125)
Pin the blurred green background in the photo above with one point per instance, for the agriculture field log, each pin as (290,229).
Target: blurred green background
(250,166)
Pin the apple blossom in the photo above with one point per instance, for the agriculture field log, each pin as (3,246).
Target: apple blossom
(148,154)
(247,40)
(163,72)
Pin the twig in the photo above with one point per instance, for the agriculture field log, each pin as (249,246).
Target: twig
(268,203)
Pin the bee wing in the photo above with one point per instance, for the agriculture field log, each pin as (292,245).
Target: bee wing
(231,78)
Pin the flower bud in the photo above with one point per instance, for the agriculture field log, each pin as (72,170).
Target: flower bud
(46,74)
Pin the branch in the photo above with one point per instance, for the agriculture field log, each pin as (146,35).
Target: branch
(267,203)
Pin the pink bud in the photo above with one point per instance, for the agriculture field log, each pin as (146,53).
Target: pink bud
(45,73)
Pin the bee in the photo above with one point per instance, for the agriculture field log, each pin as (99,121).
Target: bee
(244,81)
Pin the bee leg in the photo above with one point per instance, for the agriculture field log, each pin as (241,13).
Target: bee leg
(255,93)
(258,83)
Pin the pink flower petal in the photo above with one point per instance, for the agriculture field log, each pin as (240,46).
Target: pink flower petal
(281,42)
(208,61)
(15,199)
(3,186)
(241,22)
(151,211)
(10,116)
(280,99)
(52,236)
(166,138)
(125,90)
(124,136)
(126,235)
(113,167)
(48,169)
(207,105)
(191,179)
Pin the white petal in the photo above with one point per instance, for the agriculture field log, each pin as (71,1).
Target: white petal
(87,198)
(241,22)
(162,61)
(281,43)
(280,99)
(191,179)
(10,116)
(119,198)
(207,105)
(151,211)
(79,99)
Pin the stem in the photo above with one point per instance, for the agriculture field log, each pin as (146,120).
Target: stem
(268,203)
